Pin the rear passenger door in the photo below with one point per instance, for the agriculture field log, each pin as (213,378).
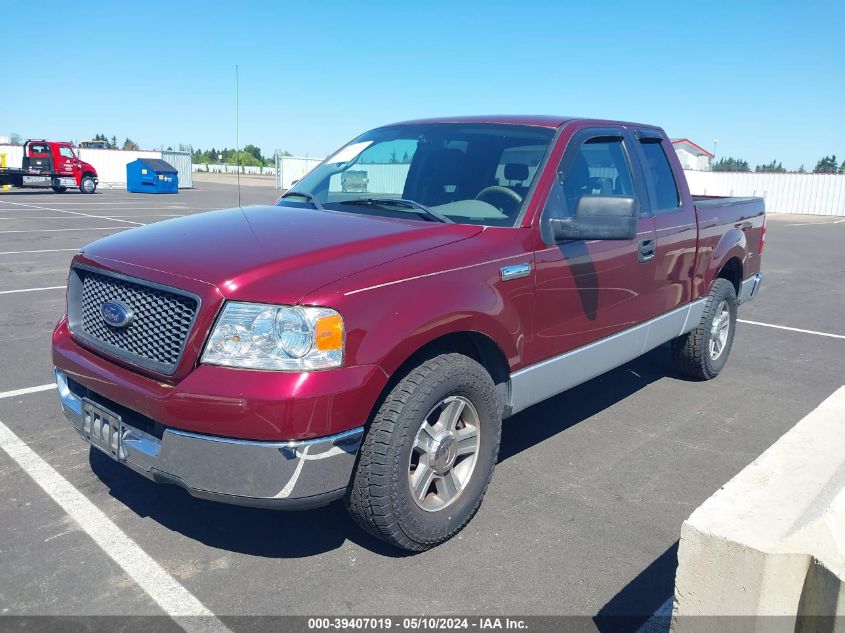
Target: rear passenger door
(587,290)
(676,228)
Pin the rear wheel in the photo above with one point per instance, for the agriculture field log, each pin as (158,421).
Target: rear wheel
(87,185)
(702,353)
(429,454)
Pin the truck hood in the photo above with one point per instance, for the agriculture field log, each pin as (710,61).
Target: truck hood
(272,254)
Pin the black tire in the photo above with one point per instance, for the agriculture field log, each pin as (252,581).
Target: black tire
(87,185)
(59,189)
(379,497)
(691,352)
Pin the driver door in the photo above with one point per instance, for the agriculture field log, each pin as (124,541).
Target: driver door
(63,160)
(587,290)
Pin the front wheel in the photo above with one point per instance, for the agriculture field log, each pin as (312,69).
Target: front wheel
(429,455)
(87,185)
(702,353)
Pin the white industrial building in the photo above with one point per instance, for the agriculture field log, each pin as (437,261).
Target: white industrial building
(692,155)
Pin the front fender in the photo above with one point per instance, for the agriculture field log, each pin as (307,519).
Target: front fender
(88,168)
(393,311)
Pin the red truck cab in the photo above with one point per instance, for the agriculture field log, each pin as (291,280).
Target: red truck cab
(52,164)
(366,342)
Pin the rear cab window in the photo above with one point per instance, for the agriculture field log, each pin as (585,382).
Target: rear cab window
(663,190)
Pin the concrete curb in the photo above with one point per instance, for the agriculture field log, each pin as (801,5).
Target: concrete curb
(771,542)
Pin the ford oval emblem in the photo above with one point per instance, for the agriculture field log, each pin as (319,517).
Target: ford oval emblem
(116,313)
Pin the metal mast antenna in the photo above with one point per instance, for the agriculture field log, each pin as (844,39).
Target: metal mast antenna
(237,134)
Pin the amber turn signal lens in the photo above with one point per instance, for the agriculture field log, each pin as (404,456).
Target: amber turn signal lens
(328,333)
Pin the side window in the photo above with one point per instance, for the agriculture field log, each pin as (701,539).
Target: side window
(659,172)
(66,152)
(599,168)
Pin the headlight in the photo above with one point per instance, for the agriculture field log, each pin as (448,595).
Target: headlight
(287,338)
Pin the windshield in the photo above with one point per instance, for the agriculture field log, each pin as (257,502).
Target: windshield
(467,173)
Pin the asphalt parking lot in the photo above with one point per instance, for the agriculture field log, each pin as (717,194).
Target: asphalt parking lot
(583,515)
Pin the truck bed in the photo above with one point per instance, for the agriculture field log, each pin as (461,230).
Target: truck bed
(726,201)
(737,219)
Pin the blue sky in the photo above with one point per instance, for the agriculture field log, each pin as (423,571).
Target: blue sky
(765,78)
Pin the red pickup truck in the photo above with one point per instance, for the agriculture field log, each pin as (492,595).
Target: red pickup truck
(366,345)
(51,164)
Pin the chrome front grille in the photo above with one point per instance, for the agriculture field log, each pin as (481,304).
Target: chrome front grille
(162,318)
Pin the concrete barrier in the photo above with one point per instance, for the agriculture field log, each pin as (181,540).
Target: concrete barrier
(771,542)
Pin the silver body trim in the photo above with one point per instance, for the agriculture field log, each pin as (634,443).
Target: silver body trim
(550,377)
(245,472)
(749,287)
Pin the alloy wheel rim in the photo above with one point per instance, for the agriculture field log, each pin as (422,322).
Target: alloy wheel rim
(720,330)
(444,453)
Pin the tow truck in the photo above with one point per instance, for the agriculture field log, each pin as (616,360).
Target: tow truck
(51,164)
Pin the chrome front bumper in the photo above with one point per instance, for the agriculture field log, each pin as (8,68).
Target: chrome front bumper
(749,287)
(287,475)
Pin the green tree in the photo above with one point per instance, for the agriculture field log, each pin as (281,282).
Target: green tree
(130,145)
(775,167)
(801,170)
(242,158)
(842,167)
(14,138)
(255,152)
(113,142)
(730,164)
(827,165)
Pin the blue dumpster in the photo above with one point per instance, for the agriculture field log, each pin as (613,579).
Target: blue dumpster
(151,175)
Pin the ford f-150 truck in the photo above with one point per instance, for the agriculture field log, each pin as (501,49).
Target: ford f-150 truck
(51,164)
(367,344)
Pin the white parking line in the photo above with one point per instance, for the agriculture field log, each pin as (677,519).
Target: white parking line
(11,292)
(91,228)
(166,591)
(23,392)
(820,223)
(99,217)
(791,329)
(152,203)
(88,215)
(48,250)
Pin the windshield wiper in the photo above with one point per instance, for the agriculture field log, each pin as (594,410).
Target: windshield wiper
(421,209)
(307,196)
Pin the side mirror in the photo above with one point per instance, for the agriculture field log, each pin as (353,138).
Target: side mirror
(599,218)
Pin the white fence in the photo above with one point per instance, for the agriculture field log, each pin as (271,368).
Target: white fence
(233,169)
(111,163)
(812,194)
(289,169)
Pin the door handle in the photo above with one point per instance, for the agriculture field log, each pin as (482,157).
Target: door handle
(645,251)
(515,271)
(745,226)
